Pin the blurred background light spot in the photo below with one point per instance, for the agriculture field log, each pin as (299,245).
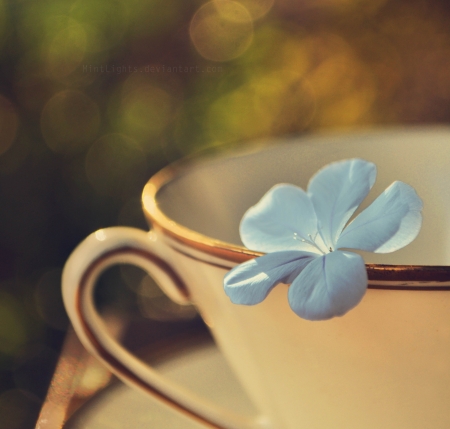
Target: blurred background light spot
(348,110)
(48,300)
(272,103)
(13,330)
(95,376)
(67,50)
(116,165)
(69,121)
(57,49)
(144,112)
(256,8)
(221,30)
(105,22)
(39,22)
(9,122)
(294,55)
(344,86)
(336,74)
(345,90)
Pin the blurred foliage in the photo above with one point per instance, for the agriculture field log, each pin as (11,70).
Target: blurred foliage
(97,95)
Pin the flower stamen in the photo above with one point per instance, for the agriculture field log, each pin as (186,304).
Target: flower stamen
(311,241)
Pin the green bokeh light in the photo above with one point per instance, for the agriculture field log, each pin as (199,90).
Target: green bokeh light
(13,329)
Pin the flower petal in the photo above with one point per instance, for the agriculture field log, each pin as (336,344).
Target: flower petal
(391,222)
(329,286)
(249,283)
(336,192)
(281,220)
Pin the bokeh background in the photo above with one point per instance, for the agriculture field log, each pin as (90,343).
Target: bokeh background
(97,95)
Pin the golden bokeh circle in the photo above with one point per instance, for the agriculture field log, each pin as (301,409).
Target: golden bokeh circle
(221,30)
(69,121)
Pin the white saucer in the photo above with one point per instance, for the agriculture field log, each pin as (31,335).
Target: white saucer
(201,368)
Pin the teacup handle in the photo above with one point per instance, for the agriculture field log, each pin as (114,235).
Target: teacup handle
(117,245)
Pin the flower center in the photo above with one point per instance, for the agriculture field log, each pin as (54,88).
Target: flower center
(319,245)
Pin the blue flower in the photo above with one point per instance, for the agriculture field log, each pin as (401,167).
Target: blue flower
(304,234)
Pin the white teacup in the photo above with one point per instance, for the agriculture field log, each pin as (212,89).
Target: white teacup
(385,364)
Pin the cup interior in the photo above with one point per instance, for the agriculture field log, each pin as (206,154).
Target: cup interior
(211,196)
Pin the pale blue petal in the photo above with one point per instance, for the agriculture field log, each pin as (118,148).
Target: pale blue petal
(284,219)
(329,286)
(391,222)
(336,192)
(250,282)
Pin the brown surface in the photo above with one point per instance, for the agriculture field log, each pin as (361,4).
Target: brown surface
(78,376)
